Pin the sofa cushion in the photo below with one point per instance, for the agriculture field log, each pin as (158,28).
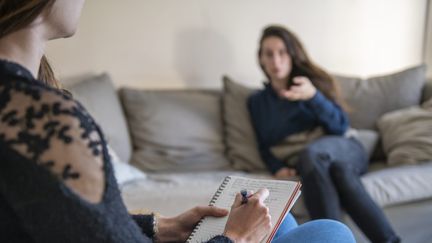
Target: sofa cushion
(99,97)
(399,184)
(387,187)
(370,98)
(175,130)
(407,134)
(186,190)
(239,134)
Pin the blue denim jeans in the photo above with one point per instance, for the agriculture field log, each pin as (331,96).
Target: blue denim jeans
(322,230)
(330,170)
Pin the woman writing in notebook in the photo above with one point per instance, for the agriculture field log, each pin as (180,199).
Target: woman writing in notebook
(56,178)
(299,98)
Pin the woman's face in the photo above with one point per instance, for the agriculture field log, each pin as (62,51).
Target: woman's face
(62,19)
(275,59)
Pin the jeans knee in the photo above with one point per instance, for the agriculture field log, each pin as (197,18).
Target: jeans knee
(333,229)
(310,158)
(341,172)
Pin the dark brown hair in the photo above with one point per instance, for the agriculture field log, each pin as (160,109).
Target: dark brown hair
(17,14)
(301,63)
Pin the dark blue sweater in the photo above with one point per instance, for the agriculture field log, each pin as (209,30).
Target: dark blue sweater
(275,118)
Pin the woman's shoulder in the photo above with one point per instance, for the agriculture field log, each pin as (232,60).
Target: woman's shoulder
(26,92)
(34,99)
(257,94)
(257,97)
(24,103)
(51,129)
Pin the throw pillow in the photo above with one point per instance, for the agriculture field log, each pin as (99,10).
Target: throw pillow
(99,96)
(239,134)
(175,130)
(289,149)
(407,134)
(124,172)
(372,97)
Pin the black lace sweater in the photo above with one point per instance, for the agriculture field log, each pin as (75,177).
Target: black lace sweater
(53,160)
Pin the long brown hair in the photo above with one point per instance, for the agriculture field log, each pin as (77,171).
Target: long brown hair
(17,14)
(302,64)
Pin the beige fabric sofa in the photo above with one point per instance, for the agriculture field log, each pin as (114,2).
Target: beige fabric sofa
(184,144)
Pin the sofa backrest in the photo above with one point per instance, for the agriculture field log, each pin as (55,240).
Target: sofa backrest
(100,98)
(98,95)
(371,98)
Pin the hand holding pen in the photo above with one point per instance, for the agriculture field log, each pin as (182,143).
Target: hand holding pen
(249,218)
(245,196)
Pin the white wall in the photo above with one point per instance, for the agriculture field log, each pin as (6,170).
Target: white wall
(191,43)
(428,55)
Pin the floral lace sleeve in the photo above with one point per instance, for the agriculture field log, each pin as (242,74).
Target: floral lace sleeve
(55,132)
(56,180)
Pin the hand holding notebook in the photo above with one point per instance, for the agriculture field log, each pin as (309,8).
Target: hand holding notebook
(281,197)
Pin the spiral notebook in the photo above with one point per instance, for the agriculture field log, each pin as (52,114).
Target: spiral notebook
(282,197)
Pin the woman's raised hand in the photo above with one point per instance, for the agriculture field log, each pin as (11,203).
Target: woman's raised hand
(303,89)
(249,222)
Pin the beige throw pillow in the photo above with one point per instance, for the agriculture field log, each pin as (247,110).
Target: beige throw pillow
(99,96)
(291,146)
(177,130)
(242,147)
(372,97)
(407,134)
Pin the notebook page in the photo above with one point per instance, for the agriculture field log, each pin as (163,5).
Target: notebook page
(280,192)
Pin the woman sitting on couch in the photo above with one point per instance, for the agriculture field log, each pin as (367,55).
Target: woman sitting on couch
(301,97)
(56,178)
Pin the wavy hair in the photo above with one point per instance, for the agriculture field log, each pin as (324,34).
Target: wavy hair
(18,14)
(302,64)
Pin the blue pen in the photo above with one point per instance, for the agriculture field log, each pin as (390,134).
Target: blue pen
(244,196)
